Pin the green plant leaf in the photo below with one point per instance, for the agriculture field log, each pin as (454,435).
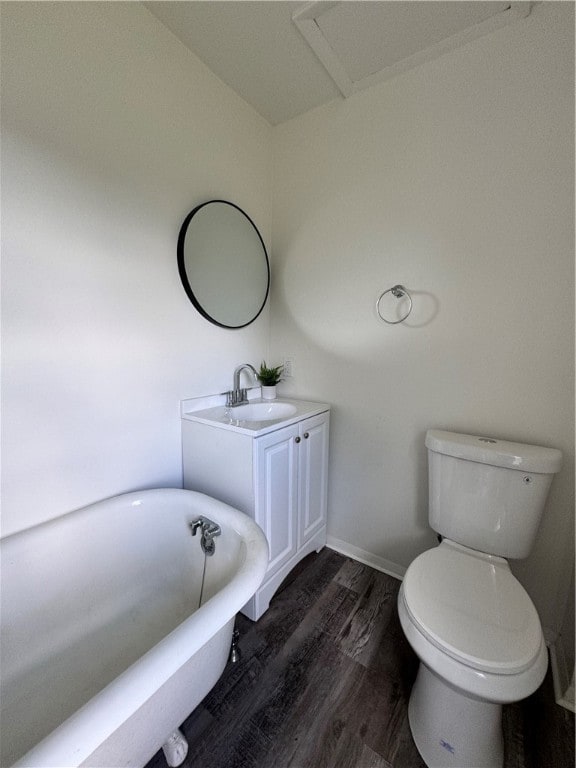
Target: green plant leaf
(270,376)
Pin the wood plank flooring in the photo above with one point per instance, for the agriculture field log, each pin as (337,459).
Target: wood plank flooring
(324,682)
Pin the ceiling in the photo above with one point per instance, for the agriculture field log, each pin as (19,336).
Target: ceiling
(285,57)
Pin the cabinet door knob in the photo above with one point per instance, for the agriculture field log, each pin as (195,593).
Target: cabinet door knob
(296,439)
(306,435)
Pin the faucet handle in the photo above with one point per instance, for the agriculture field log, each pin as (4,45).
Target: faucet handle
(236,397)
(195,524)
(233,397)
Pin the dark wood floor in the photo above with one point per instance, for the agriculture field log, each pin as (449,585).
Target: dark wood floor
(324,682)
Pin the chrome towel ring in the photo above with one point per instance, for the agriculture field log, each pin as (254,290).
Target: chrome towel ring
(398,291)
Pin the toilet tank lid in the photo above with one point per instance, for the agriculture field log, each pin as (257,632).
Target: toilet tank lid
(499,453)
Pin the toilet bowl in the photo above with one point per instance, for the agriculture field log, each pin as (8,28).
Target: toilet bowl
(480,644)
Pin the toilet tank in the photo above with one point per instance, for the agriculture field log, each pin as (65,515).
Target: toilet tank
(488,494)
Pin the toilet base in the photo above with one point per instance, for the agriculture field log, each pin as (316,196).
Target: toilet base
(452,730)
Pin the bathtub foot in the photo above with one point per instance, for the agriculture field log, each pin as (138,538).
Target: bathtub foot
(175,749)
(235,654)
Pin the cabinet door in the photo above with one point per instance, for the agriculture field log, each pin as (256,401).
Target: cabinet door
(313,475)
(276,485)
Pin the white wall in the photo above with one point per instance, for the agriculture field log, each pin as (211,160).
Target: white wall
(112,131)
(456,180)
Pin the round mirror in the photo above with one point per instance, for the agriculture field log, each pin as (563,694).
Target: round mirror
(223,264)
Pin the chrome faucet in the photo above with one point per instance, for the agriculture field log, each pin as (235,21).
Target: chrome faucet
(237,396)
(209,529)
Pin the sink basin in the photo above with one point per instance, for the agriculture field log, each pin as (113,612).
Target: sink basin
(263,411)
(255,418)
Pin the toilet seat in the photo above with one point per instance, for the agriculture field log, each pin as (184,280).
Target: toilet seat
(471,607)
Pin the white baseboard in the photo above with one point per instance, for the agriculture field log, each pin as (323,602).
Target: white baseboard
(367,558)
(563,678)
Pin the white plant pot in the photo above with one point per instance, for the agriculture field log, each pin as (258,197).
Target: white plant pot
(268,393)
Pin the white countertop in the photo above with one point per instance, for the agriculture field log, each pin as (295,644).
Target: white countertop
(223,418)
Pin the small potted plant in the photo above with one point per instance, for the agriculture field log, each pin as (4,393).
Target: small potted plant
(268,378)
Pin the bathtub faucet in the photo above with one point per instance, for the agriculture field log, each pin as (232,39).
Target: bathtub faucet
(210,530)
(237,396)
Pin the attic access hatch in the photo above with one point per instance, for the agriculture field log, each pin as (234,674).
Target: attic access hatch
(364,43)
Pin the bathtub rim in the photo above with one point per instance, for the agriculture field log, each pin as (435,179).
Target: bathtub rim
(74,740)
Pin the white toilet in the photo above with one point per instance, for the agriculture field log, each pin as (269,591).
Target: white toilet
(471,623)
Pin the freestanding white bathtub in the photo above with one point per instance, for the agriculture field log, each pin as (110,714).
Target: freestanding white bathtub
(105,646)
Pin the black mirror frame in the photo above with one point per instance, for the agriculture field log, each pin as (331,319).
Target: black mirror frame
(182,266)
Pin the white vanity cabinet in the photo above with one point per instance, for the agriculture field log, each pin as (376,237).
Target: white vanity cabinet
(279,478)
